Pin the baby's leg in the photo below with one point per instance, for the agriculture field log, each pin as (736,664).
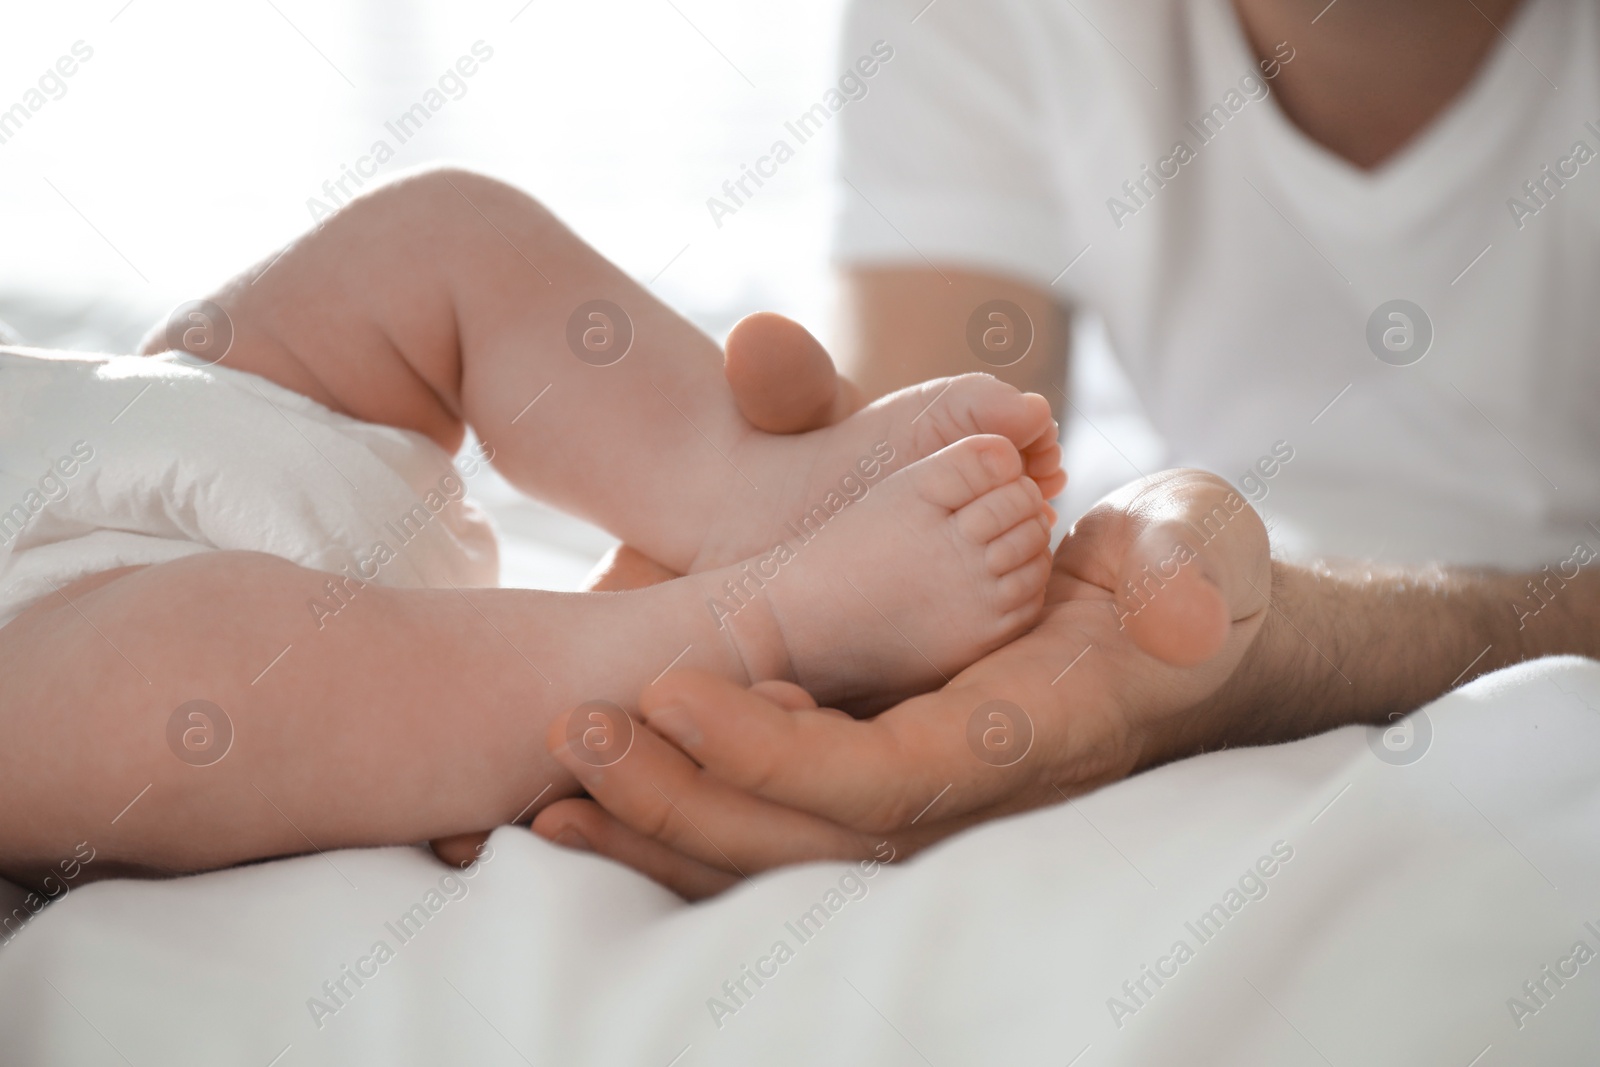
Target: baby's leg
(449,299)
(398,312)
(452,299)
(415,714)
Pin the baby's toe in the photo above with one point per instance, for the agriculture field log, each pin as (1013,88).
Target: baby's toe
(959,474)
(999,510)
(1016,546)
(1024,585)
(1044,466)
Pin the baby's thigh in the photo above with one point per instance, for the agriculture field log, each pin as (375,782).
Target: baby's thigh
(357,314)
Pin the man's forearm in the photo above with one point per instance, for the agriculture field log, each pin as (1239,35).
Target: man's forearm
(1354,642)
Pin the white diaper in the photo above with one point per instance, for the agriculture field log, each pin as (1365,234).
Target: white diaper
(113,461)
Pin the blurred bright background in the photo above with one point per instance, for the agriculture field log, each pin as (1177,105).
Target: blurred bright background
(194,140)
(189,145)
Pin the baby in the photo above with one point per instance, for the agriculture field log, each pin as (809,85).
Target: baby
(866,562)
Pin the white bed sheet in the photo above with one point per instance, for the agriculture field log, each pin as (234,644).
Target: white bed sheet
(1418,900)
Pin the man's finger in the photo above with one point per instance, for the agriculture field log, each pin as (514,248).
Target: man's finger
(875,775)
(583,824)
(1184,555)
(786,695)
(653,788)
(782,378)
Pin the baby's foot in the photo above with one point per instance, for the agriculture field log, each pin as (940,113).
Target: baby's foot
(796,482)
(937,565)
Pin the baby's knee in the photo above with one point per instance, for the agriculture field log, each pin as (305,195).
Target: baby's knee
(443,191)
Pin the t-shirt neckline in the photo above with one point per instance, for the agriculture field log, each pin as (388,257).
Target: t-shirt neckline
(1443,156)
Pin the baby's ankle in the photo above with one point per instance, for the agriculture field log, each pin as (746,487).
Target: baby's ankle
(737,611)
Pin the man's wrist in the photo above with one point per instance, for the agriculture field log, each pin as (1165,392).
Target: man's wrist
(1265,698)
(1290,682)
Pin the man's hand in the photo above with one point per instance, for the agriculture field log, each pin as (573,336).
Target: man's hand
(1157,599)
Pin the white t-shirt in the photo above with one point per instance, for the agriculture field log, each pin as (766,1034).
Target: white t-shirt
(1237,290)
